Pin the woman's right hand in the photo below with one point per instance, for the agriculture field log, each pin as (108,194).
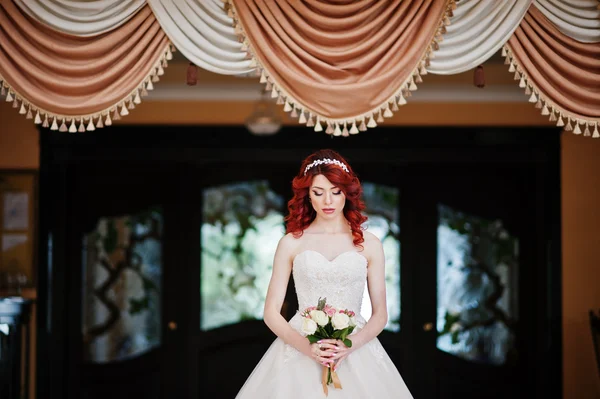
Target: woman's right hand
(323,352)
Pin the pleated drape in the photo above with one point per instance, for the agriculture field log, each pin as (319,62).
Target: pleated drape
(560,74)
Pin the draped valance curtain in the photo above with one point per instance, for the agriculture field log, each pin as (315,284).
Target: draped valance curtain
(338,66)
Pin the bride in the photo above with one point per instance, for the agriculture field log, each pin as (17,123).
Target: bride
(329,256)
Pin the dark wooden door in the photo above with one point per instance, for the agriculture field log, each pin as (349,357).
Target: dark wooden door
(199,343)
(481,251)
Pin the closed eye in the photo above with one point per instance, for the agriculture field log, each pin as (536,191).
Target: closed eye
(338,193)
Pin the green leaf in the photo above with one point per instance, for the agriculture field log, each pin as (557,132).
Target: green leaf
(348,343)
(337,334)
(312,338)
(321,303)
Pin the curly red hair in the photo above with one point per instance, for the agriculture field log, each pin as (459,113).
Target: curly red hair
(301,213)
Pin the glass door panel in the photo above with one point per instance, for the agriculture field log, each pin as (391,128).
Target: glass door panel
(477,280)
(122,273)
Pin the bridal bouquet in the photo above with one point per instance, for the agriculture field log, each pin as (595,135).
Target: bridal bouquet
(323,322)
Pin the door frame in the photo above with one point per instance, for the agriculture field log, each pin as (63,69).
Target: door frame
(198,146)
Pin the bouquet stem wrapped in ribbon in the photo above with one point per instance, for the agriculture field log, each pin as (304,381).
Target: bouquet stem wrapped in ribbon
(326,322)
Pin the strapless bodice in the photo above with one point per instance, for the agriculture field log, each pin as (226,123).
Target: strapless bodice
(341,280)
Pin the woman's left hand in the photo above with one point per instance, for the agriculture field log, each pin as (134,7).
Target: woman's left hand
(341,353)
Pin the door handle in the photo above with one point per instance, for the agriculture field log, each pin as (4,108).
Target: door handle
(428,326)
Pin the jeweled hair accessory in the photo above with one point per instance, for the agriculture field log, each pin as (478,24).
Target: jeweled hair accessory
(326,161)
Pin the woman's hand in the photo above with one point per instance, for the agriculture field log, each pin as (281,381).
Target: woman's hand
(341,352)
(323,351)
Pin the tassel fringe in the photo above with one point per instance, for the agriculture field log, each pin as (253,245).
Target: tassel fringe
(347,126)
(568,121)
(90,122)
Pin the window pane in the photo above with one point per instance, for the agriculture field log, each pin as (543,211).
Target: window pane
(382,209)
(242,224)
(477,270)
(122,270)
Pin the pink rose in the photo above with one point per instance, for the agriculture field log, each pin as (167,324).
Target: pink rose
(330,311)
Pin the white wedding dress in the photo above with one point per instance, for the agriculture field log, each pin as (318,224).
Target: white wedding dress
(284,373)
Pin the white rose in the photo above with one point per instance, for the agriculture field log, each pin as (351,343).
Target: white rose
(352,322)
(319,317)
(308,326)
(340,321)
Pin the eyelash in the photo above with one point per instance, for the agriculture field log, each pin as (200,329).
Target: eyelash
(318,195)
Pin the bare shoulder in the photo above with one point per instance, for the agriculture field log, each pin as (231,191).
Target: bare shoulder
(371,240)
(373,249)
(288,246)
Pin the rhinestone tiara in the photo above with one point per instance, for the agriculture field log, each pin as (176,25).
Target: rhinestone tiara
(326,161)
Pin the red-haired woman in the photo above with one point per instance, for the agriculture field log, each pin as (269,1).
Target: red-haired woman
(330,256)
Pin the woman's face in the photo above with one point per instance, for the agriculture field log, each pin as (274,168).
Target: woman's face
(327,199)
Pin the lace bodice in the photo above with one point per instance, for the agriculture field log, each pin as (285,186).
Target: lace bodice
(341,280)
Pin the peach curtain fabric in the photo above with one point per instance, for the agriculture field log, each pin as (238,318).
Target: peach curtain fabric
(341,64)
(337,65)
(561,75)
(62,80)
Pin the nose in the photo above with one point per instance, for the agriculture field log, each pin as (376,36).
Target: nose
(328,198)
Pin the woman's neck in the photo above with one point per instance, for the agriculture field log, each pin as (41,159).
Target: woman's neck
(335,226)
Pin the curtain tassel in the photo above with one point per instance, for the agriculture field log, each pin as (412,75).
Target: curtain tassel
(63,127)
(372,122)
(345,132)
(479,77)
(73,127)
(318,127)
(302,118)
(363,126)
(192,74)
(337,131)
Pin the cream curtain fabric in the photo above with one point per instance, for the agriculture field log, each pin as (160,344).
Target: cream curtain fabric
(561,75)
(367,55)
(203,32)
(477,30)
(81,18)
(578,19)
(77,83)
